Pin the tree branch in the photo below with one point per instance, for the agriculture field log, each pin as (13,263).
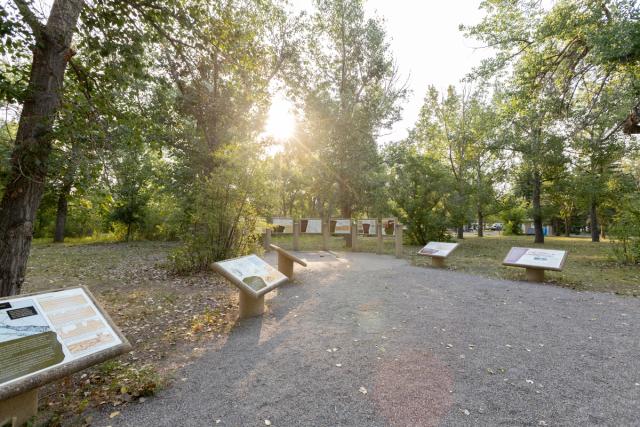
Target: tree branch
(31,19)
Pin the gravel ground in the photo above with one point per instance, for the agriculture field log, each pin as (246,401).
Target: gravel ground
(366,340)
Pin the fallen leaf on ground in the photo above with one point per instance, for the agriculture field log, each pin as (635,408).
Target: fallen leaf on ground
(114,414)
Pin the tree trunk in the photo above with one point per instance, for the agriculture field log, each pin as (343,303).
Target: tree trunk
(63,195)
(30,156)
(593,216)
(61,216)
(480,223)
(461,232)
(567,227)
(537,210)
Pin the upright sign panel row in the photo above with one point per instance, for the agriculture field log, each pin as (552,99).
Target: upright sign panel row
(336,226)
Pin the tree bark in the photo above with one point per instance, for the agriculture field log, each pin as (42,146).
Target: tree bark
(480,223)
(61,215)
(63,194)
(567,227)
(30,156)
(537,210)
(593,216)
(461,232)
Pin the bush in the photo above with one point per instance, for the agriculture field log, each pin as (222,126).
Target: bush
(222,220)
(625,234)
(513,217)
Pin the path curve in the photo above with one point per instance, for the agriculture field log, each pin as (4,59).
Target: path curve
(429,347)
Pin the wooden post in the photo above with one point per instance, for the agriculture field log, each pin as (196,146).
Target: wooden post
(325,234)
(438,262)
(267,239)
(398,230)
(354,235)
(285,265)
(296,235)
(535,275)
(250,306)
(380,246)
(19,410)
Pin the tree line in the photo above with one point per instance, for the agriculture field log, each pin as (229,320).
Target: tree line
(145,119)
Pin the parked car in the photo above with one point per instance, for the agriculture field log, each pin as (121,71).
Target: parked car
(496,226)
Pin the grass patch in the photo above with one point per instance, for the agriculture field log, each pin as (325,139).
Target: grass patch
(164,317)
(590,266)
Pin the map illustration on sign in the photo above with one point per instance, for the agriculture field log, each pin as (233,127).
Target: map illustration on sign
(547,259)
(388,226)
(251,273)
(311,226)
(45,330)
(283,225)
(341,226)
(438,249)
(367,227)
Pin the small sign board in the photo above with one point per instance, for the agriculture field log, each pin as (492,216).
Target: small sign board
(288,255)
(544,259)
(342,226)
(438,249)
(388,226)
(311,226)
(251,274)
(48,335)
(283,225)
(367,227)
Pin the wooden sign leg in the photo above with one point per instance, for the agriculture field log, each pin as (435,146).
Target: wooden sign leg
(354,236)
(438,262)
(325,236)
(285,265)
(18,410)
(398,240)
(535,275)
(267,239)
(250,306)
(380,246)
(296,235)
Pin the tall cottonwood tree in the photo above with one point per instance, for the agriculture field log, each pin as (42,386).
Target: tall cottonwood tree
(30,157)
(456,129)
(349,85)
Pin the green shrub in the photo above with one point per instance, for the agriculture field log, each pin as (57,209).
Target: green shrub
(625,234)
(222,221)
(513,217)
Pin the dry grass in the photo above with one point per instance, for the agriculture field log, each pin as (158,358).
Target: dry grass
(590,266)
(165,318)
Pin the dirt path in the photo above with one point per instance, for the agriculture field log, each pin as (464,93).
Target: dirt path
(361,339)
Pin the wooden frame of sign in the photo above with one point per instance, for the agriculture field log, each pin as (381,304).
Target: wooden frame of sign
(536,264)
(286,260)
(254,278)
(439,252)
(58,337)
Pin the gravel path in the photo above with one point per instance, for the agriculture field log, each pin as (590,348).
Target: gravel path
(366,340)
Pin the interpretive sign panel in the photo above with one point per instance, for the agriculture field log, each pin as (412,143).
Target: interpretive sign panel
(342,226)
(388,226)
(283,225)
(311,226)
(46,331)
(367,227)
(251,274)
(438,249)
(545,259)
